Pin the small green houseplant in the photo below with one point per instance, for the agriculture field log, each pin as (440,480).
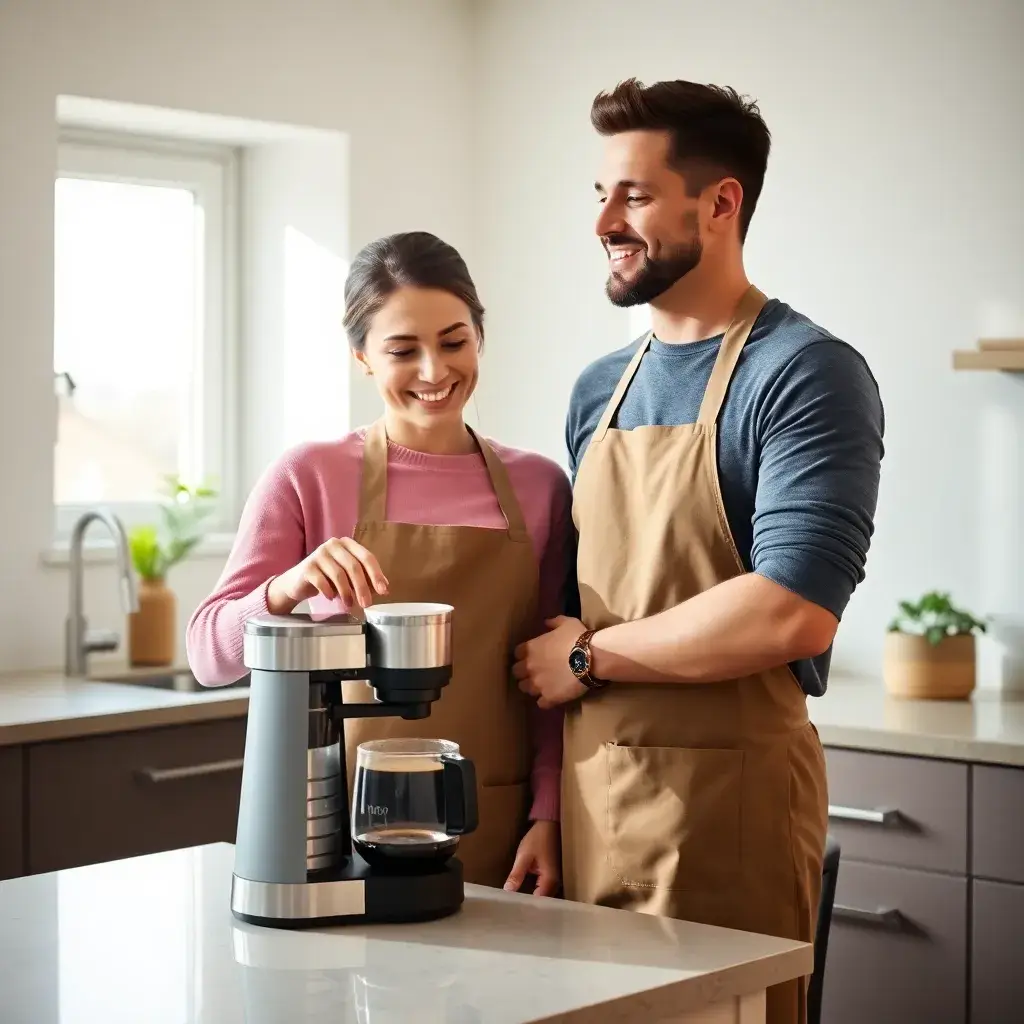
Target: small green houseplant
(930,649)
(155,549)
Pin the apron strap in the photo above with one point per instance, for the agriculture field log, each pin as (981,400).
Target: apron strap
(620,391)
(373,492)
(728,355)
(506,494)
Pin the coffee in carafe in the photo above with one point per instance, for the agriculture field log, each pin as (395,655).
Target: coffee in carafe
(412,800)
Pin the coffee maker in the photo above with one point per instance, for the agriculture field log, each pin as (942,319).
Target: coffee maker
(295,863)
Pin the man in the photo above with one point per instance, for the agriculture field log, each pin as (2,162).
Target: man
(725,478)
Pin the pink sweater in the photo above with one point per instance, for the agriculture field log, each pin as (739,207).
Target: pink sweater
(311,494)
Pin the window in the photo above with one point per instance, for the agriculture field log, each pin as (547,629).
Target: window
(144,300)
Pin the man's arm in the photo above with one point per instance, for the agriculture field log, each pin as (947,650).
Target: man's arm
(737,628)
(820,429)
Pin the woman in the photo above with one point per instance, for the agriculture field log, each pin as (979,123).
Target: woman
(417,507)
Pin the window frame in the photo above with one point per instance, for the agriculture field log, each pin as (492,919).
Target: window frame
(211,173)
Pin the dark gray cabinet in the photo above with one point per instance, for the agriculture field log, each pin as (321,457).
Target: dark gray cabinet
(897,949)
(998,825)
(12,813)
(997,952)
(108,797)
(928,922)
(73,802)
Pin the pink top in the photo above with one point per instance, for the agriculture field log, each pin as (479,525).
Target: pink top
(311,494)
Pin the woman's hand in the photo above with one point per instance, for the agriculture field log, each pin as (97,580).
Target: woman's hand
(539,854)
(340,569)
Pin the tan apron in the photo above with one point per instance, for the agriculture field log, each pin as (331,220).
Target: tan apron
(701,802)
(490,577)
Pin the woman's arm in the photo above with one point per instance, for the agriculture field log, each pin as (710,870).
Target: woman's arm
(270,540)
(556,595)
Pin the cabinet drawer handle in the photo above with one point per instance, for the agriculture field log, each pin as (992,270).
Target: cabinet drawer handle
(887,918)
(189,771)
(884,816)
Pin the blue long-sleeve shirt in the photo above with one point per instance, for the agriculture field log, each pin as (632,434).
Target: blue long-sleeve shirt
(799,453)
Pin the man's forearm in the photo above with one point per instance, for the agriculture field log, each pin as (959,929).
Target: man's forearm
(739,627)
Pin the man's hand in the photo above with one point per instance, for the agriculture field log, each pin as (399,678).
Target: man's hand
(542,664)
(538,855)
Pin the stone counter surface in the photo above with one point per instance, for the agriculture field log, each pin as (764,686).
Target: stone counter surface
(855,712)
(858,713)
(153,939)
(38,706)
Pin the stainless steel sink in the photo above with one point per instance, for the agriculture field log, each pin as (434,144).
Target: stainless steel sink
(182,682)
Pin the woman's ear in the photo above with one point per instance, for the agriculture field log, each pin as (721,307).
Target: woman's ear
(361,359)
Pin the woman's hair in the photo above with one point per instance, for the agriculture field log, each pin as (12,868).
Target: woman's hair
(414,259)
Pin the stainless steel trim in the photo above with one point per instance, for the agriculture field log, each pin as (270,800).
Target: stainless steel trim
(323,844)
(885,917)
(409,613)
(882,816)
(323,762)
(318,789)
(412,635)
(303,654)
(316,827)
(301,901)
(320,808)
(189,771)
(301,624)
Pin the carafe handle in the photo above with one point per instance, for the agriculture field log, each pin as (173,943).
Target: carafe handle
(460,808)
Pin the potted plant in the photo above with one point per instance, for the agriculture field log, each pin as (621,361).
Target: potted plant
(930,649)
(155,549)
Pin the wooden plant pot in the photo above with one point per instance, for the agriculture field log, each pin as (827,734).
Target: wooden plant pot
(915,669)
(152,630)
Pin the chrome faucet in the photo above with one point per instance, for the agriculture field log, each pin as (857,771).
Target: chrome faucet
(79,641)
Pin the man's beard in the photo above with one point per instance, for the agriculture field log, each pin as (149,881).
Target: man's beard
(655,276)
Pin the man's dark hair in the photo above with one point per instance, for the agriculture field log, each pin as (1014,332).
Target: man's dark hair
(715,133)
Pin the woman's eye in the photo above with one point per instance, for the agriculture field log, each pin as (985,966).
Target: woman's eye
(635,199)
(400,353)
(454,345)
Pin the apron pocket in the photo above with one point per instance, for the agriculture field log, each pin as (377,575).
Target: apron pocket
(674,816)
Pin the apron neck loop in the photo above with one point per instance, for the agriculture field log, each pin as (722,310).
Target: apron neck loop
(620,390)
(503,489)
(728,355)
(373,493)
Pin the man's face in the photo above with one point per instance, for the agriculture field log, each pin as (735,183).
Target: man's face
(648,224)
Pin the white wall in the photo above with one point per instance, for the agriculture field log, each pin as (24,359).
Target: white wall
(295,371)
(893,214)
(394,75)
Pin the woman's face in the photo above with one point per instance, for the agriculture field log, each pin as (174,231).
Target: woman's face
(424,355)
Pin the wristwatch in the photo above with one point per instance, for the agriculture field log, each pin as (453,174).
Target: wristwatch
(580,662)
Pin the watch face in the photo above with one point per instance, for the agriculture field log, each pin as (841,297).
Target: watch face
(578,661)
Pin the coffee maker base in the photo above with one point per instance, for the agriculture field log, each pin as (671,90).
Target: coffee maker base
(354,894)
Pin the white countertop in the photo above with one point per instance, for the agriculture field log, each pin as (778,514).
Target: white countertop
(153,939)
(858,713)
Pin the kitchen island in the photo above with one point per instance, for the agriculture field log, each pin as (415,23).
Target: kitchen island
(153,939)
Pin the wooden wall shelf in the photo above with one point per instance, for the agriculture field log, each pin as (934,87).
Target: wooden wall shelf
(1006,354)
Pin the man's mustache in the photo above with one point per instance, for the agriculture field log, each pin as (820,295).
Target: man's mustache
(610,240)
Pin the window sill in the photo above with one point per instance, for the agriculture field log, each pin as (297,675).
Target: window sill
(214,545)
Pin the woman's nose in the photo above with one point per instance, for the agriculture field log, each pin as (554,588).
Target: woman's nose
(432,369)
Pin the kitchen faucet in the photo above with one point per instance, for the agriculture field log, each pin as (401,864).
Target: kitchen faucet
(80,641)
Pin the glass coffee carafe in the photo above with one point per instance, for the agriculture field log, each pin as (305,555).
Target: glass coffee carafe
(411,801)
